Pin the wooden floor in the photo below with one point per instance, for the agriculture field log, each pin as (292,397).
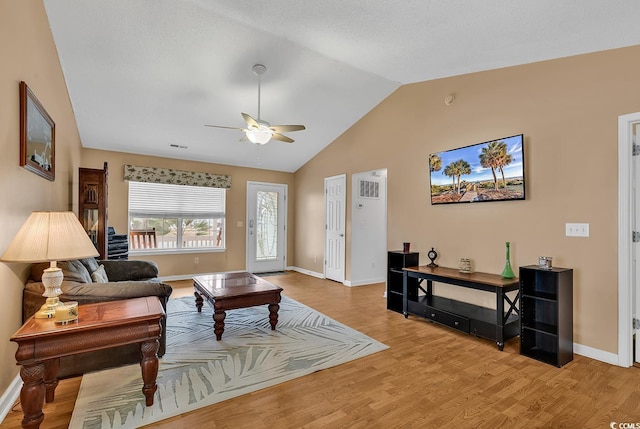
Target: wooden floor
(430,377)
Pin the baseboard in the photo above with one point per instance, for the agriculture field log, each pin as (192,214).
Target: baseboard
(175,278)
(191,276)
(9,397)
(307,272)
(596,354)
(364,282)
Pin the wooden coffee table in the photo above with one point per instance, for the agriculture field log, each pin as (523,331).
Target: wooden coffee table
(227,291)
(42,342)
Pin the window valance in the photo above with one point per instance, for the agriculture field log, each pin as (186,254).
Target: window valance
(135,173)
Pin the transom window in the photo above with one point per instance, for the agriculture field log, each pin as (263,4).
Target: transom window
(176,217)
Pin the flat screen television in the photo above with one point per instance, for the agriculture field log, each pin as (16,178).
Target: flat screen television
(489,171)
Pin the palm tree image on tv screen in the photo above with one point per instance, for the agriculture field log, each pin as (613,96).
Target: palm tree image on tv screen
(489,171)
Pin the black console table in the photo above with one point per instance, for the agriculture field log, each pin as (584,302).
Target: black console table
(498,325)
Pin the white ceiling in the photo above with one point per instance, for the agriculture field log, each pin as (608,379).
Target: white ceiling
(144,74)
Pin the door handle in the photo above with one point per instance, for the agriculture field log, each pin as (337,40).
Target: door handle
(341,235)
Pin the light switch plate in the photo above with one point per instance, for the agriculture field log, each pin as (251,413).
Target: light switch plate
(577,229)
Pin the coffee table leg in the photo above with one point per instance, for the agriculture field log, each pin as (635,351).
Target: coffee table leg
(218,326)
(32,394)
(273,315)
(149,366)
(51,378)
(199,301)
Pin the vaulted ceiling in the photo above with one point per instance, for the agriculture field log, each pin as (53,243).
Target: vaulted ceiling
(145,76)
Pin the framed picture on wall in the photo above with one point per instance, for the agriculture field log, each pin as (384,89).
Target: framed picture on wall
(37,136)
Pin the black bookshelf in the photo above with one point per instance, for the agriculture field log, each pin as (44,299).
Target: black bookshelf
(546,314)
(396,261)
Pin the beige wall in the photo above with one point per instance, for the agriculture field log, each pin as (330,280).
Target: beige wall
(183,264)
(27,53)
(568,111)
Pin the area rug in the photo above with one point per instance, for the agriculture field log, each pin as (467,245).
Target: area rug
(197,370)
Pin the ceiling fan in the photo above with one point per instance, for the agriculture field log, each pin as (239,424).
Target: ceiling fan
(259,131)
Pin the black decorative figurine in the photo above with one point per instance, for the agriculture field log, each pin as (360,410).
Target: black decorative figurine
(432,254)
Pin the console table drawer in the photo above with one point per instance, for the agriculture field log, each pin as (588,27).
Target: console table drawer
(452,320)
(483,329)
(417,308)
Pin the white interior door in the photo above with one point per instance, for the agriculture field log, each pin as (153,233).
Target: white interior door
(266,227)
(635,245)
(335,216)
(368,228)
(628,248)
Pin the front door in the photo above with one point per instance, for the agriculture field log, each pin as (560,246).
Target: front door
(266,227)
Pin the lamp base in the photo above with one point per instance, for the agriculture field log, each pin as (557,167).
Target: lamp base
(48,309)
(51,279)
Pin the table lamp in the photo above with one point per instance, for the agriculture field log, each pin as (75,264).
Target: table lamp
(52,237)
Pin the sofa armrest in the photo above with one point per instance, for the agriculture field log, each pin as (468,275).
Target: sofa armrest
(112,291)
(122,270)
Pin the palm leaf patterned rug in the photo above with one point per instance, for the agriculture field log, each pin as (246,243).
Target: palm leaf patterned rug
(197,370)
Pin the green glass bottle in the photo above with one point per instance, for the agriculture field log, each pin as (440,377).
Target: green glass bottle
(507,273)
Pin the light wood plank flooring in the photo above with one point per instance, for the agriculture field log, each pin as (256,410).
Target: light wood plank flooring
(430,377)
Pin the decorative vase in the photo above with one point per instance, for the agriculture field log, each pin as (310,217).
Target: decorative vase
(507,273)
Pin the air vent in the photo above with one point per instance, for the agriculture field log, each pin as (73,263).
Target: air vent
(369,189)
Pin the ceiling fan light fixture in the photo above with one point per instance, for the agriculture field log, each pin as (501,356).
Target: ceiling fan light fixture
(258,131)
(259,135)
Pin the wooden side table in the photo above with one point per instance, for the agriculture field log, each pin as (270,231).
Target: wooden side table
(41,343)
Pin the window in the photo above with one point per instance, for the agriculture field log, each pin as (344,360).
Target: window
(180,217)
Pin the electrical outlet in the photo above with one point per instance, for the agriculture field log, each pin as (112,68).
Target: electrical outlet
(577,229)
(196,260)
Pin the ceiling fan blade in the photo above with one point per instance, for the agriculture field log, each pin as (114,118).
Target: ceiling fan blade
(286,128)
(250,121)
(220,126)
(282,138)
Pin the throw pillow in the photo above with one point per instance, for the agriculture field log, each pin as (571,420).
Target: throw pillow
(99,275)
(90,264)
(75,271)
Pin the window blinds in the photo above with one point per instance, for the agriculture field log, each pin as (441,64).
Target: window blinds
(173,201)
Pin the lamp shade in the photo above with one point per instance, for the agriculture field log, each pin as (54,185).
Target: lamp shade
(50,236)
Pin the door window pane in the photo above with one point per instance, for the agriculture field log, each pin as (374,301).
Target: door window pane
(266,225)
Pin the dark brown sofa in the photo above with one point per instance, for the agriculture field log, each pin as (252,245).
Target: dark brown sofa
(126,279)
